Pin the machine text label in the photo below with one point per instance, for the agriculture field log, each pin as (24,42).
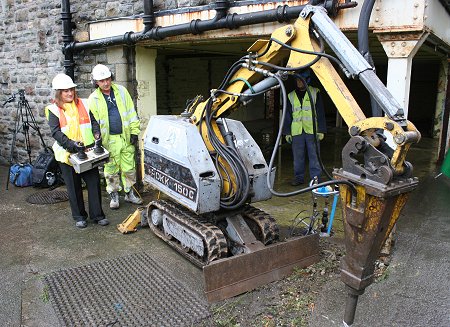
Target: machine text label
(168,181)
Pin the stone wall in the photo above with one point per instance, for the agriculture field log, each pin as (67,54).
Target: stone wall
(30,56)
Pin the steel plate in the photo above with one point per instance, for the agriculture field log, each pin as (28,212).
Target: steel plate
(48,197)
(132,290)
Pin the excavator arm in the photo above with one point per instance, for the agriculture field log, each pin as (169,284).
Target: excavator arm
(281,50)
(377,178)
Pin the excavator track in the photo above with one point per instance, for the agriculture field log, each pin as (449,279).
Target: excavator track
(262,225)
(214,241)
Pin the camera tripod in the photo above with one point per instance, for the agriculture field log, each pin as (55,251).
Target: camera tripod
(26,120)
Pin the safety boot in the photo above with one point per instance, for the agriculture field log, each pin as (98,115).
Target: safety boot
(81,224)
(297,182)
(132,198)
(103,222)
(114,204)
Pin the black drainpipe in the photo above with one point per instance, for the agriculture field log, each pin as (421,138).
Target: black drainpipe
(221,8)
(197,26)
(148,18)
(68,25)
(363,46)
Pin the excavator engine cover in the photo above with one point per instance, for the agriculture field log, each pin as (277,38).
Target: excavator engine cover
(177,162)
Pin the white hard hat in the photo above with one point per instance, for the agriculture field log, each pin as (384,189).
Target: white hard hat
(62,82)
(100,72)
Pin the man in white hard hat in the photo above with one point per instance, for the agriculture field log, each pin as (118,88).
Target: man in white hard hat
(113,107)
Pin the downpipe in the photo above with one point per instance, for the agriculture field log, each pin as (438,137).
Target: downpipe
(148,18)
(68,26)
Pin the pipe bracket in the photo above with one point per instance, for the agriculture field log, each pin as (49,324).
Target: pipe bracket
(193,26)
(282,15)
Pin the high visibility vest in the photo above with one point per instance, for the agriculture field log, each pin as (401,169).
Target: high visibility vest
(61,154)
(99,108)
(302,119)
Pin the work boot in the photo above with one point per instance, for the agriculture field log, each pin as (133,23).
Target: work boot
(296,182)
(114,204)
(103,222)
(132,198)
(81,224)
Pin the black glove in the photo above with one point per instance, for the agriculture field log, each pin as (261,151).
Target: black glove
(98,142)
(75,147)
(133,139)
(98,149)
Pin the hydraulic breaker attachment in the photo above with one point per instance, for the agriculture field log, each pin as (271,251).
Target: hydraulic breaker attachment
(129,225)
(232,276)
(368,221)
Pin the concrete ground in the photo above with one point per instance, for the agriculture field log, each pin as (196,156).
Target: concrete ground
(39,239)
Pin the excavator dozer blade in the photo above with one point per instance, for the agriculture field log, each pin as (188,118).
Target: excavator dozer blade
(232,276)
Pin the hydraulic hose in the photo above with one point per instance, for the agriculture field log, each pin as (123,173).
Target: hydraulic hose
(313,111)
(240,193)
(275,150)
(363,46)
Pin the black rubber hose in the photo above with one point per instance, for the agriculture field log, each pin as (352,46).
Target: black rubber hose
(313,111)
(275,150)
(363,29)
(363,46)
(240,194)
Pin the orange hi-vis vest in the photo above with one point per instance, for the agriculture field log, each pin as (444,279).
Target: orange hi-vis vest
(84,125)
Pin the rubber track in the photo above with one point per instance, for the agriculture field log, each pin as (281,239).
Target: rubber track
(268,231)
(213,238)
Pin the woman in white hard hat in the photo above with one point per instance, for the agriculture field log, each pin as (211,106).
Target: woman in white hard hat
(74,127)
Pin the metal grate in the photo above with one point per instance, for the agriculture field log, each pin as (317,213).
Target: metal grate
(48,197)
(127,291)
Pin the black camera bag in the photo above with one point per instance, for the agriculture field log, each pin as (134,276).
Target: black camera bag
(46,172)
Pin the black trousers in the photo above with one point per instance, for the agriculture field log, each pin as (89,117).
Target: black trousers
(75,190)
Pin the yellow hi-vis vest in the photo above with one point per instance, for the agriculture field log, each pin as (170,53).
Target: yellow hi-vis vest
(61,154)
(302,113)
(99,108)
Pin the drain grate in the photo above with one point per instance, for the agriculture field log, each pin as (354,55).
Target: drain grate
(48,197)
(128,291)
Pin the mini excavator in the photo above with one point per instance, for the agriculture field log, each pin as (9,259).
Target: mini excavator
(211,169)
